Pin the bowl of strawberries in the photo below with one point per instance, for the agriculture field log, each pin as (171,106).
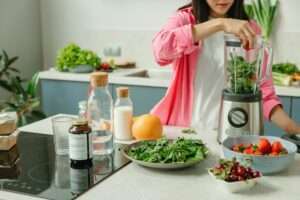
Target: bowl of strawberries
(266,154)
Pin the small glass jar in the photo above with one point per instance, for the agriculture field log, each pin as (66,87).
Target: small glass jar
(123,112)
(80,144)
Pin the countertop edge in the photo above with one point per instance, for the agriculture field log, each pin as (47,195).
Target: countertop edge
(119,77)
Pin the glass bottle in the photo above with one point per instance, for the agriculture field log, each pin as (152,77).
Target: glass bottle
(80,142)
(123,115)
(82,105)
(99,114)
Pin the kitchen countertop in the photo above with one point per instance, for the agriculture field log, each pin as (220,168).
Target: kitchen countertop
(120,77)
(139,183)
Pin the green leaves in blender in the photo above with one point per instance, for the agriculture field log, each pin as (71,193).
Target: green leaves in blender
(242,75)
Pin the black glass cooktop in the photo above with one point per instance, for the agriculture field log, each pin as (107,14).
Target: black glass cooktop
(33,168)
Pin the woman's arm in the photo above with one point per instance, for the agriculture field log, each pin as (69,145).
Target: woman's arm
(240,28)
(283,121)
(180,37)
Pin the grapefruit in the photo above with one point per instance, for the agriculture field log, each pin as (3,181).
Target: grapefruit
(147,127)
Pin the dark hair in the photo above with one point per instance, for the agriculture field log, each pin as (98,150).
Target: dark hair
(201,10)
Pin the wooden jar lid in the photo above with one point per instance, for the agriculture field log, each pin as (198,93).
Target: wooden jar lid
(122,92)
(99,79)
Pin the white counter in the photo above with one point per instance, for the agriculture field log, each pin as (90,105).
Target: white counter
(120,77)
(138,183)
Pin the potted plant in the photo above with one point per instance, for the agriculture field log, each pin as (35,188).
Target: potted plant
(74,59)
(23,97)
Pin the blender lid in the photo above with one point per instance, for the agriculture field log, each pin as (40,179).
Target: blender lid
(232,41)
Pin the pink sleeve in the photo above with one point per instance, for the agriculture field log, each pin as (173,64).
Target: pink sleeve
(270,99)
(174,40)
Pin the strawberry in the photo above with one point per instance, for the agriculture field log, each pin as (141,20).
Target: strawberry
(105,66)
(248,151)
(247,46)
(277,147)
(264,146)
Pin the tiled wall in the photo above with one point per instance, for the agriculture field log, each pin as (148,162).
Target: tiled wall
(132,24)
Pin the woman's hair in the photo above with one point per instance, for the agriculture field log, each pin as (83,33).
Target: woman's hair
(201,10)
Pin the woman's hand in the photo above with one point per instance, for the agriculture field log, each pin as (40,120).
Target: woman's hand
(240,28)
(282,120)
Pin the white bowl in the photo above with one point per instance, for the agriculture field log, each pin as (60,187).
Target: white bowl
(237,186)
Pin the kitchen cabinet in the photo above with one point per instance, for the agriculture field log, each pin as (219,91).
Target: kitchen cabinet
(63,96)
(295,111)
(143,97)
(272,129)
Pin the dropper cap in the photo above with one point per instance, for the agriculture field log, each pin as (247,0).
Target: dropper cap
(99,79)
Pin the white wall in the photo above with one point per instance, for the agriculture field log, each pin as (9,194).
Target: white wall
(95,24)
(20,34)
(132,24)
(286,40)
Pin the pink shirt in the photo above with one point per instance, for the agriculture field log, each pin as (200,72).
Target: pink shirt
(174,45)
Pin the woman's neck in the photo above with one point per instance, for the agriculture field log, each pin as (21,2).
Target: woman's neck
(213,15)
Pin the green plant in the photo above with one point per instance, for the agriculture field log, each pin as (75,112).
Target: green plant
(242,76)
(263,12)
(72,55)
(23,97)
(285,68)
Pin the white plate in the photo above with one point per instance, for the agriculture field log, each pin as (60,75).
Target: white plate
(158,165)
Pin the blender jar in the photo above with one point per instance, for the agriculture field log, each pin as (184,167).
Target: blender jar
(243,66)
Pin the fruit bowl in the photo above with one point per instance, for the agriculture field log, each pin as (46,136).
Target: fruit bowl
(264,163)
(235,186)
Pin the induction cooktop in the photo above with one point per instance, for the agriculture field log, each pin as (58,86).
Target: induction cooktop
(37,171)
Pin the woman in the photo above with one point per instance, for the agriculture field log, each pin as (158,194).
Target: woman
(193,42)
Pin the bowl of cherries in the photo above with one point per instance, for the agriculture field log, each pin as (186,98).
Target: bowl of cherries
(233,176)
(266,154)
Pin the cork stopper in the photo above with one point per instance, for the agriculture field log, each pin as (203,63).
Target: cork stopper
(99,79)
(80,122)
(122,92)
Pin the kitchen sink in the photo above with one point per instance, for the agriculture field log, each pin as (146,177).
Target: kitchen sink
(152,74)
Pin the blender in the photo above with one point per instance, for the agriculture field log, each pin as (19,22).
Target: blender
(241,106)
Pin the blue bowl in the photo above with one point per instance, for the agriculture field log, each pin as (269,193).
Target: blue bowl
(81,69)
(265,164)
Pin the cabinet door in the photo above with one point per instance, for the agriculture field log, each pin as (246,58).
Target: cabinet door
(63,96)
(296,109)
(143,97)
(272,129)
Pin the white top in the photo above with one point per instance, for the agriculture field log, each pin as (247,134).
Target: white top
(209,82)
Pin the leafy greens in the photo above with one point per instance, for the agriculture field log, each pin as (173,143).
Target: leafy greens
(263,12)
(242,75)
(285,68)
(72,55)
(165,151)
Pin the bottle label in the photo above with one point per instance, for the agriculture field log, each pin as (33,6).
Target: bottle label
(81,147)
